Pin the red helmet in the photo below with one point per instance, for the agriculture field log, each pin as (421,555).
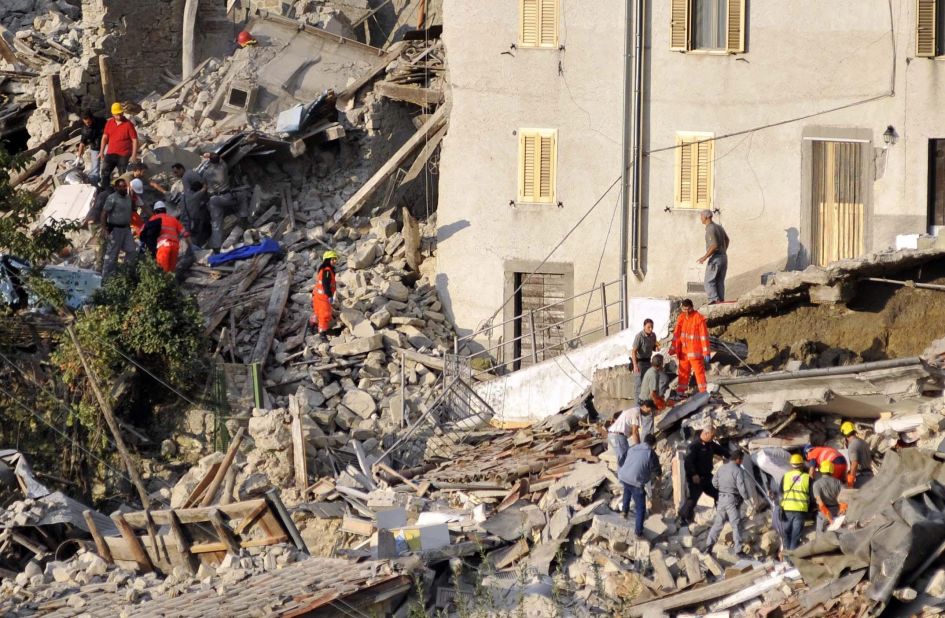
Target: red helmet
(244,38)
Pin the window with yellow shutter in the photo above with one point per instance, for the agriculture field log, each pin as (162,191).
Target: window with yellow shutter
(537,162)
(539,23)
(707,25)
(929,28)
(694,154)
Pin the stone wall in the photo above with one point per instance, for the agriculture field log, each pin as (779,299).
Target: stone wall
(146,40)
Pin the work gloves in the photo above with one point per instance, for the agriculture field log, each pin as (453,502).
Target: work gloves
(851,479)
(825,512)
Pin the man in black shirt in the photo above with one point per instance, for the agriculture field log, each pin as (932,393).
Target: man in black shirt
(699,460)
(91,138)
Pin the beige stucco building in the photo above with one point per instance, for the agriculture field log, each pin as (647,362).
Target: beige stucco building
(813,129)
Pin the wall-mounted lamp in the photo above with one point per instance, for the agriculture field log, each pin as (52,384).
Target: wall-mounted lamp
(890,136)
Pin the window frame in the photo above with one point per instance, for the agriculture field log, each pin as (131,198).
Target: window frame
(681,28)
(535,197)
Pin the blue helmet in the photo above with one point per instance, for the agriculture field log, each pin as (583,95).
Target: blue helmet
(807,448)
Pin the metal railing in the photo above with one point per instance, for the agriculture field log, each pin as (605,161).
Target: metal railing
(547,340)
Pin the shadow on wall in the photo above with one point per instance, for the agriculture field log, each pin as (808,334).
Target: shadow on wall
(446,231)
(798,257)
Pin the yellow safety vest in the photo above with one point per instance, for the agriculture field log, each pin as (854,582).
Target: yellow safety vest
(796,486)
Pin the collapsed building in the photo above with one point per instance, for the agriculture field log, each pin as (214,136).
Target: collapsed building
(404,465)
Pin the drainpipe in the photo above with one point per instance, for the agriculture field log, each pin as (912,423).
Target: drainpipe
(632,150)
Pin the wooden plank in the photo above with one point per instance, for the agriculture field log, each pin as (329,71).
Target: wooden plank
(697,596)
(393,52)
(420,162)
(299,460)
(57,106)
(251,518)
(6,52)
(424,97)
(198,515)
(134,543)
(424,359)
(224,466)
(225,535)
(280,294)
(108,84)
(241,281)
(187,559)
(201,487)
(100,543)
(356,201)
(186,80)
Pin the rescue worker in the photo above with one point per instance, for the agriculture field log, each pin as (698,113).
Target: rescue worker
(691,347)
(323,294)
(640,467)
(91,139)
(826,492)
(795,501)
(733,491)
(698,464)
(816,455)
(168,241)
(654,384)
(217,177)
(115,224)
(715,258)
(641,351)
(861,460)
(119,144)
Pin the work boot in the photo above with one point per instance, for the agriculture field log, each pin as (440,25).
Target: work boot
(625,514)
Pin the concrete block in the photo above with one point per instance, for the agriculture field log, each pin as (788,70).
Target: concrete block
(654,527)
(560,524)
(358,346)
(936,585)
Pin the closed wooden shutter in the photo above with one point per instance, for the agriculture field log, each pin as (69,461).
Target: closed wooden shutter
(537,163)
(539,23)
(694,156)
(679,25)
(925,34)
(531,24)
(735,36)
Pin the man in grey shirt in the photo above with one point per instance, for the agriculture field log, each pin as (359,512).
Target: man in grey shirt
(222,201)
(116,222)
(654,384)
(826,492)
(641,351)
(715,258)
(858,452)
(733,490)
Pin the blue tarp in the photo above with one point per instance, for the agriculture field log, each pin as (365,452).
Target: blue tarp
(267,245)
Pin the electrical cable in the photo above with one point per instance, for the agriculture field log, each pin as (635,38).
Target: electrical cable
(600,261)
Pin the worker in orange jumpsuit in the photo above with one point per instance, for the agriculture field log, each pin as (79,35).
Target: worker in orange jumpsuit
(323,295)
(691,348)
(816,455)
(168,242)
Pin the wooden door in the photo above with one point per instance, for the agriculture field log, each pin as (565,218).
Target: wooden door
(539,304)
(936,182)
(838,200)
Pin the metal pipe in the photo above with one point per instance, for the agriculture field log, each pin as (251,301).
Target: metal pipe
(276,502)
(636,227)
(828,371)
(909,284)
(626,144)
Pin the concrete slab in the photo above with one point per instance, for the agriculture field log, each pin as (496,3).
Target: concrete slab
(68,203)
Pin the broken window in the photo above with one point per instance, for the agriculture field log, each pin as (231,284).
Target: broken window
(929,27)
(707,25)
(537,160)
(539,27)
(539,317)
(694,154)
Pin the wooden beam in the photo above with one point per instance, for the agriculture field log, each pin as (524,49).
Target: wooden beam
(183,544)
(108,84)
(357,201)
(280,294)
(424,97)
(224,466)
(57,106)
(421,161)
(251,518)
(194,497)
(39,160)
(236,510)
(225,535)
(170,93)
(299,460)
(100,543)
(134,543)
(6,51)
(698,595)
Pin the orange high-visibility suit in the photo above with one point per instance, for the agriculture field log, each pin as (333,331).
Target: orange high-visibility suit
(322,295)
(691,347)
(820,454)
(168,242)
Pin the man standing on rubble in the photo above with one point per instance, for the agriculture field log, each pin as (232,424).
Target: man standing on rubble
(631,427)
(323,294)
(733,491)
(119,144)
(691,347)
(91,139)
(698,462)
(639,468)
(826,492)
(861,460)
(795,501)
(115,223)
(716,250)
(644,344)
(217,177)
(654,384)
(192,199)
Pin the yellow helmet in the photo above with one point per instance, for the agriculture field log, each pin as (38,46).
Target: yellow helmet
(797,459)
(826,467)
(117,109)
(330,255)
(846,428)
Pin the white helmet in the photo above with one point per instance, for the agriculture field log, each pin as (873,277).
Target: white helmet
(159,205)
(137,186)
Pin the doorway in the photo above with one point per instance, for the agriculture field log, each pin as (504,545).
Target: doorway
(838,200)
(936,182)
